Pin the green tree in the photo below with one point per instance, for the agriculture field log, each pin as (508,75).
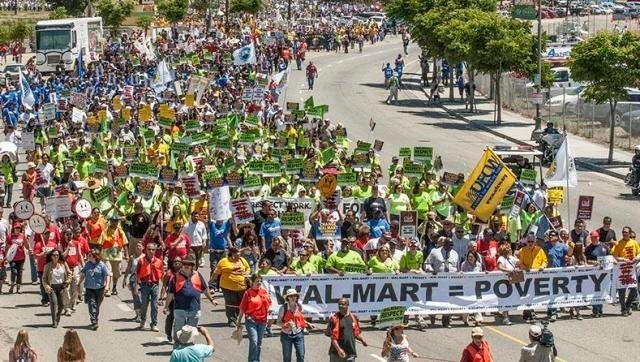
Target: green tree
(608,62)
(74,7)
(113,12)
(144,21)
(173,10)
(201,6)
(246,6)
(19,31)
(58,13)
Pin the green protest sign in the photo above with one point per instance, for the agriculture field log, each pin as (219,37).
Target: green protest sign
(143,170)
(210,175)
(347,179)
(270,169)
(413,170)
(165,123)
(180,147)
(304,142)
(355,269)
(192,126)
(218,132)
(246,139)
(528,177)
(405,152)
(328,155)
(507,203)
(255,167)
(390,316)
(101,194)
(251,183)
(52,132)
(101,166)
(362,147)
(298,113)
(361,161)
(198,138)
(309,172)
(147,133)
(308,103)
(294,165)
(292,220)
(421,154)
(316,112)
(224,144)
(252,120)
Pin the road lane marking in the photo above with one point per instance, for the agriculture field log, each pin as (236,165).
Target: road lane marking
(124,307)
(514,339)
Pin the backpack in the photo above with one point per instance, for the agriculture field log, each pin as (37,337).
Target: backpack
(546,338)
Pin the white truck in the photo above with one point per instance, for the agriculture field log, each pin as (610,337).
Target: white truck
(61,41)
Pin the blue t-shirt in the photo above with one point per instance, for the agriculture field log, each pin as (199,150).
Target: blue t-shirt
(188,298)
(388,72)
(556,254)
(219,235)
(94,274)
(378,227)
(269,230)
(192,353)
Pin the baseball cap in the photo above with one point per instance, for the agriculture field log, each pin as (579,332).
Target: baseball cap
(477,332)
(594,233)
(535,330)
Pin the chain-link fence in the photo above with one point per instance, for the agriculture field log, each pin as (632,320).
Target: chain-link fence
(567,107)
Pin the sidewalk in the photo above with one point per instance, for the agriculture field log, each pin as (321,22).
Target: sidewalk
(516,128)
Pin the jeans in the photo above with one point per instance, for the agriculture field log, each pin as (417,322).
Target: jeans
(552,312)
(232,299)
(8,193)
(149,295)
(214,258)
(93,298)
(625,303)
(34,271)
(135,294)
(288,341)
(168,322)
(597,309)
(183,317)
(255,331)
(57,302)
(310,81)
(16,272)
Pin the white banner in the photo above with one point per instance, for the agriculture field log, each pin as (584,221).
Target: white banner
(447,293)
(306,206)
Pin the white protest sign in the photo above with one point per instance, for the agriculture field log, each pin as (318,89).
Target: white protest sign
(305,205)
(219,203)
(78,115)
(28,141)
(23,209)
(49,111)
(447,293)
(242,211)
(58,206)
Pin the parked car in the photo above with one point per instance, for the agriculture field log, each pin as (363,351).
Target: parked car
(11,72)
(601,112)
(566,102)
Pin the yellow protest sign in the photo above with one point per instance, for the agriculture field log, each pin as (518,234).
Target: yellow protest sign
(145,113)
(126,114)
(189,100)
(327,185)
(167,113)
(485,187)
(117,104)
(555,195)
(102,115)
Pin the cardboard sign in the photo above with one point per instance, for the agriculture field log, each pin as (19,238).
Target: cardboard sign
(555,195)
(377,145)
(293,106)
(585,207)
(77,115)
(219,203)
(38,223)
(408,223)
(58,206)
(292,220)
(79,100)
(120,172)
(191,186)
(82,208)
(518,199)
(327,230)
(242,211)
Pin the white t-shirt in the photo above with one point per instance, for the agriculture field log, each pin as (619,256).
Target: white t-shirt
(507,263)
(57,275)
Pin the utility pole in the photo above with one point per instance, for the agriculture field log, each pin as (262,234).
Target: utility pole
(226,17)
(538,77)
(289,10)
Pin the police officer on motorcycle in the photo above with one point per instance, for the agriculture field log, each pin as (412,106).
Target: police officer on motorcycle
(550,129)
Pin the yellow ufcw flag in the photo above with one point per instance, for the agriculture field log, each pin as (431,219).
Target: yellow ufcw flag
(484,189)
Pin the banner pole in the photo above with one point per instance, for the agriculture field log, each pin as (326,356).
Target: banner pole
(566,155)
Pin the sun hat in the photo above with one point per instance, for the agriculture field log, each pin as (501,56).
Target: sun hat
(477,332)
(535,330)
(290,292)
(187,334)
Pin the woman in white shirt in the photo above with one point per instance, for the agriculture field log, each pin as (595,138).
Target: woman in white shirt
(471,264)
(507,263)
(56,278)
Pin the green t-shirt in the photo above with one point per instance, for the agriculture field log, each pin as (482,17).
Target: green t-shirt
(398,202)
(348,262)
(377,266)
(306,268)
(422,204)
(412,262)
(361,192)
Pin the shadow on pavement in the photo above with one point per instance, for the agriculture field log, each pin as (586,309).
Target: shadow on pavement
(159,353)
(24,306)
(602,162)
(216,325)
(122,320)
(134,329)
(39,325)
(86,327)
(156,344)
(42,314)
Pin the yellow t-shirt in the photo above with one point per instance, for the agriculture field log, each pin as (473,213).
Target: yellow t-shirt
(626,249)
(232,274)
(534,258)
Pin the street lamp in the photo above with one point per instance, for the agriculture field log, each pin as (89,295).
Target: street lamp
(538,78)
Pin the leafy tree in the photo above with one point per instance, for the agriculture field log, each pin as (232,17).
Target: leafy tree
(58,13)
(173,10)
(201,6)
(74,7)
(608,62)
(246,6)
(113,12)
(144,21)
(19,31)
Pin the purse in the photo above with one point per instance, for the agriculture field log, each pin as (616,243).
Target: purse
(515,276)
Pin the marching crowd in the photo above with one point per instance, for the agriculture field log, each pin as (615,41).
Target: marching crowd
(135,152)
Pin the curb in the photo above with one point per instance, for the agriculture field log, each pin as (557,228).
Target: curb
(587,165)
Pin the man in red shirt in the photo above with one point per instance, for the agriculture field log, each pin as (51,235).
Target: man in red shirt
(177,243)
(74,258)
(312,74)
(478,350)
(488,248)
(149,272)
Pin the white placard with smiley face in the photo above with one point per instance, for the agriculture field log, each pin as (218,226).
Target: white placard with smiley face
(38,223)
(23,209)
(82,208)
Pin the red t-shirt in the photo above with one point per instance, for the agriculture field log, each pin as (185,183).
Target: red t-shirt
(39,246)
(489,252)
(20,240)
(256,304)
(181,249)
(73,257)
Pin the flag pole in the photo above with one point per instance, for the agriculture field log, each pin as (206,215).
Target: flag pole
(566,155)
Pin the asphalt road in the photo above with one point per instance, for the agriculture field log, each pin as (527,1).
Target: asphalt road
(351,85)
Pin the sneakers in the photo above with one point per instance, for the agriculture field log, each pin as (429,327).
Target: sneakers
(507,322)
(154,329)
(67,312)
(94,326)
(553,318)
(267,331)
(141,326)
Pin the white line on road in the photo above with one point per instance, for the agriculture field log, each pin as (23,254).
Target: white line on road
(124,307)
(375,356)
